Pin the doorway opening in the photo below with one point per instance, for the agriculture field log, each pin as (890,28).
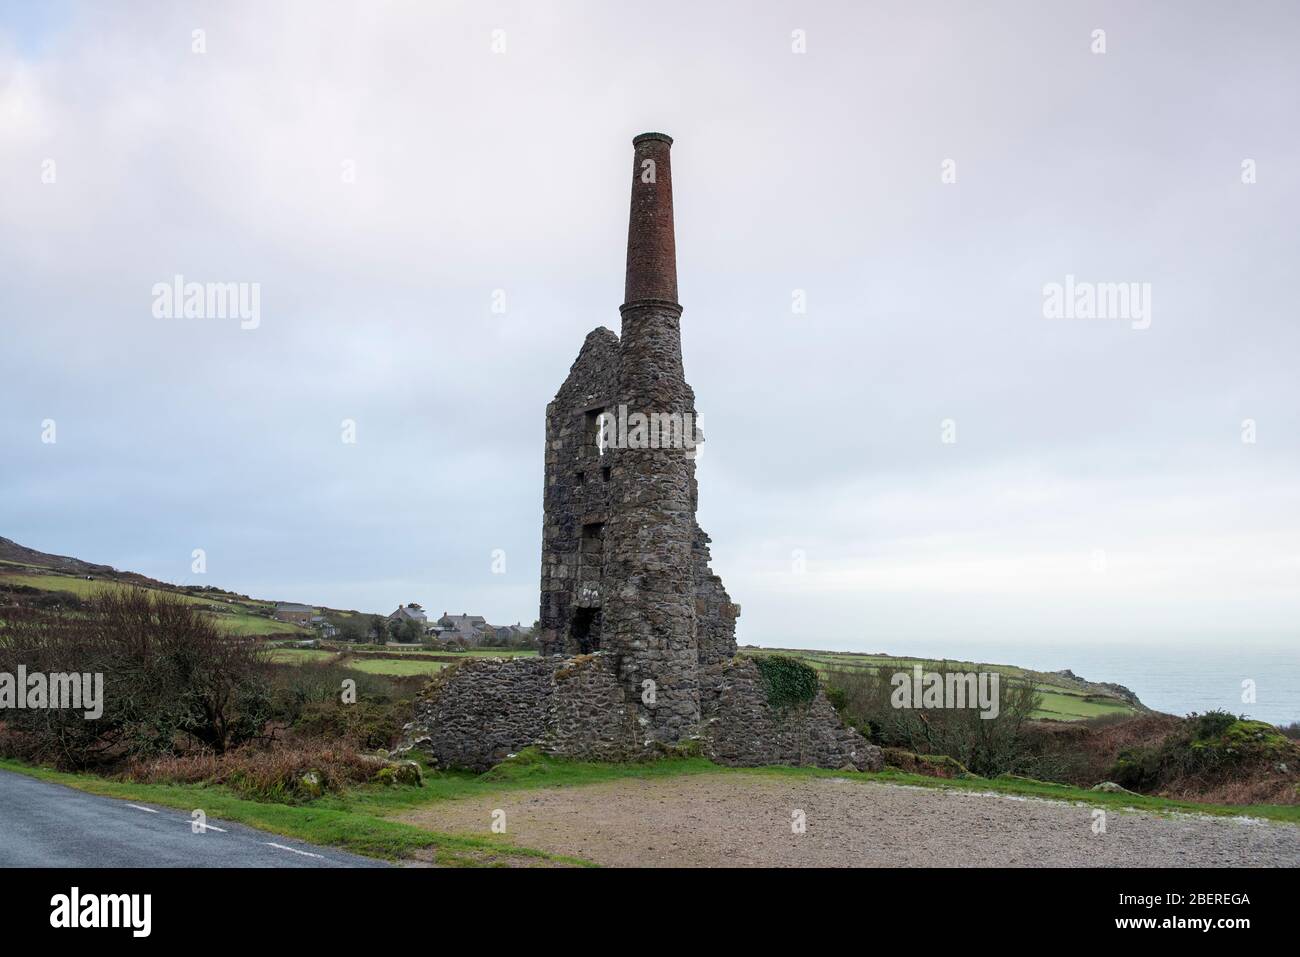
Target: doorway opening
(586,630)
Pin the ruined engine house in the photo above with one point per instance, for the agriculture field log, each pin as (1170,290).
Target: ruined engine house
(625,565)
(638,636)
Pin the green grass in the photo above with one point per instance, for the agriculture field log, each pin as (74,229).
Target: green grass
(256,626)
(78,586)
(389,666)
(417,652)
(371,666)
(496,653)
(1071,707)
(6,561)
(296,656)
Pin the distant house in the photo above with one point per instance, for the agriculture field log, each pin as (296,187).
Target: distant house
(507,634)
(322,624)
(411,612)
(294,614)
(470,628)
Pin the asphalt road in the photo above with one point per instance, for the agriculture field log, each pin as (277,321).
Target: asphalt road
(49,825)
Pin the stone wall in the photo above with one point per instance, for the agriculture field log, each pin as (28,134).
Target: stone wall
(588,716)
(476,713)
(472,715)
(576,494)
(741,728)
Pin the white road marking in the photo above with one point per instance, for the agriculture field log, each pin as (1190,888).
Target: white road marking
(206,827)
(294,849)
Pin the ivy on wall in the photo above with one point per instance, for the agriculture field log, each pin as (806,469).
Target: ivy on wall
(788,680)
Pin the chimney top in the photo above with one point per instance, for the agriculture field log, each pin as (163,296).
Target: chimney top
(651,246)
(662,137)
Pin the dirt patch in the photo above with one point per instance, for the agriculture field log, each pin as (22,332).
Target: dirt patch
(744,820)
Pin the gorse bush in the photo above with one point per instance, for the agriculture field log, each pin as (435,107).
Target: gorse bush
(1207,750)
(294,687)
(308,699)
(1212,724)
(366,724)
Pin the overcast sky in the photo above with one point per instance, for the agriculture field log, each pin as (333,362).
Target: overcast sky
(1099,487)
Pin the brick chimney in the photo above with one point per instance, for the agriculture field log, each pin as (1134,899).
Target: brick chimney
(651,248)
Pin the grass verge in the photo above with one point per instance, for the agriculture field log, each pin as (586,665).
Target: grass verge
(352,826)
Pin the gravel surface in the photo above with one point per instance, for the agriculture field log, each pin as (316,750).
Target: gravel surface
(745,820)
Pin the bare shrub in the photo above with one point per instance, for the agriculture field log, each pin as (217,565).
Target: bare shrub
(986,745)
(172,681)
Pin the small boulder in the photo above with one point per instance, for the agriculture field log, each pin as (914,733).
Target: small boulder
(1110,787)
(408,772)
(311,785)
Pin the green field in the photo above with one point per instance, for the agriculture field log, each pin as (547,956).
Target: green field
(1059,699)
(298,656)
(6,561)
(234,616)
(389,666)
(1065,706)
(418,652)
(80,587)
(371,666)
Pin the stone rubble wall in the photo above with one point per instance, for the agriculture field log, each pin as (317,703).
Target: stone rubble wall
(715,613)
(569,571)
(476,713)
(742,729)
(588,716)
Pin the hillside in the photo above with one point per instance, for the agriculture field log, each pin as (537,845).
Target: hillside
(24,571)
(1064,695)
